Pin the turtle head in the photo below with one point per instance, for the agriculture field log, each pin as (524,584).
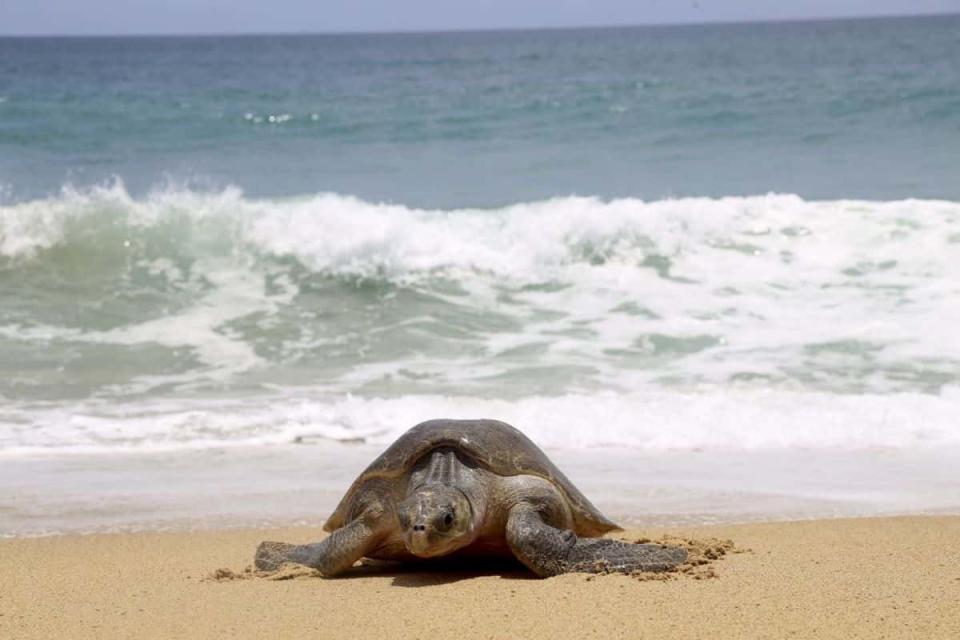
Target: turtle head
(436,520)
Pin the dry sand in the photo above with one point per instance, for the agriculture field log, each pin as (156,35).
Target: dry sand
(868,578)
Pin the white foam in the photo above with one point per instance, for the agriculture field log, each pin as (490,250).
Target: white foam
(529,242)
(650,421)
(844,294)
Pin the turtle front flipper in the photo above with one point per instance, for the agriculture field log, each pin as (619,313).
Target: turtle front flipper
(549,551)
(331,556)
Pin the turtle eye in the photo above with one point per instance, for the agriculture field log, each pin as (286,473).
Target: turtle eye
(448,519)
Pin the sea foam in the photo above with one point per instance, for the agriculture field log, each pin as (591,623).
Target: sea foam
(745,420)
(758,321)
(696,238)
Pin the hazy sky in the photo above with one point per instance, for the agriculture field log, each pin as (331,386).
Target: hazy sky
(258,16)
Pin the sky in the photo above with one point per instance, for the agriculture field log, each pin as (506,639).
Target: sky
(101,17)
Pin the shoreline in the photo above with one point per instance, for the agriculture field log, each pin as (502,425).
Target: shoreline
(849,578)
(658,523)
(299,485)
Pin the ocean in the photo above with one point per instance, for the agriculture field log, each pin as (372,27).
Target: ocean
(739,241)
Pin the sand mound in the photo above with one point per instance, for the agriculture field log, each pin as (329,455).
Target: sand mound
(702,553)
(288,571)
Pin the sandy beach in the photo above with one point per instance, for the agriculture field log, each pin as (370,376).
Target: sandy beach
(853,578)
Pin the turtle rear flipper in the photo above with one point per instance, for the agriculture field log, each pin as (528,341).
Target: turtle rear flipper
(548,551)
(271,555)
(601,555)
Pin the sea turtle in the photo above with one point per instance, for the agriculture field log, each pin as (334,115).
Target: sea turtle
(470,488)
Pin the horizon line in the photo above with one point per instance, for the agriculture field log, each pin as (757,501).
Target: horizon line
(466,30)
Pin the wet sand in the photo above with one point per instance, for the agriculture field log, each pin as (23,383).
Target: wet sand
(855,578)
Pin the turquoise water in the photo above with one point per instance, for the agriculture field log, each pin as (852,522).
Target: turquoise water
(731,237)
(826,110)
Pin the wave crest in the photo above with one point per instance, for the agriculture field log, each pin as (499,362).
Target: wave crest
(343,235)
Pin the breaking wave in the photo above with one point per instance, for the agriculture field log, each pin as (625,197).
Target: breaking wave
(737,322)
(696,239)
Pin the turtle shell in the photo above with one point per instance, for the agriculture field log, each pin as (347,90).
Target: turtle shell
(491,444)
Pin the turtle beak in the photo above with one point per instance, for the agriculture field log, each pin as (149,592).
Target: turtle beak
(419,539)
